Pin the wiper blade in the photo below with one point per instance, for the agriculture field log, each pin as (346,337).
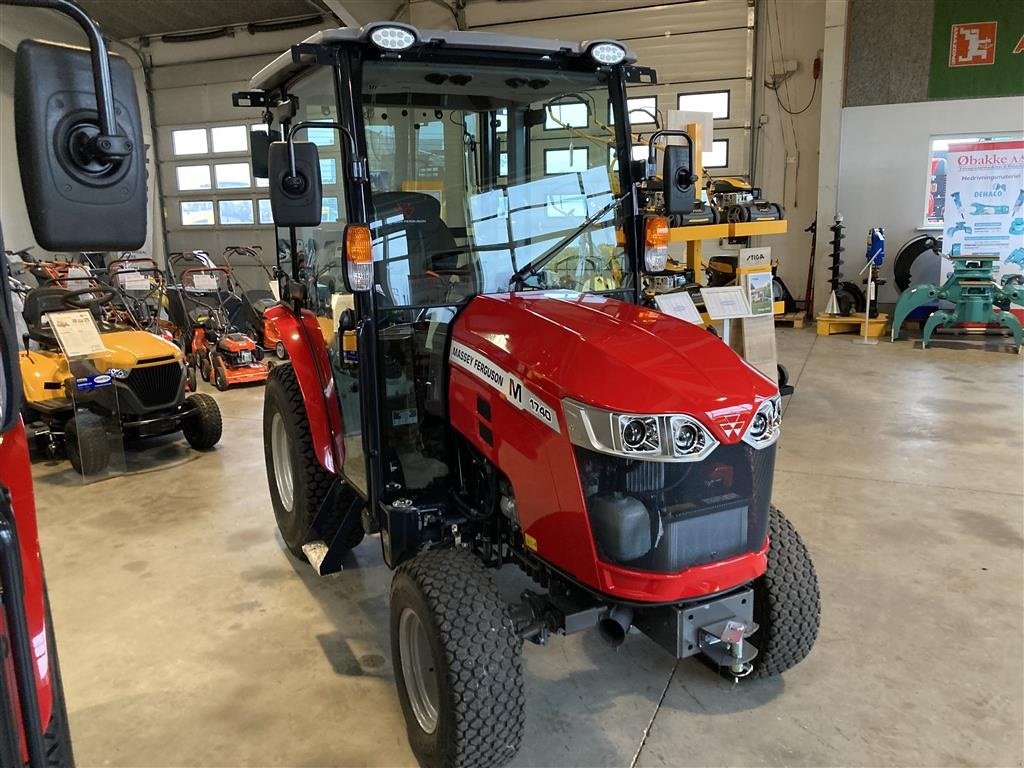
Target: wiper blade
(533,267)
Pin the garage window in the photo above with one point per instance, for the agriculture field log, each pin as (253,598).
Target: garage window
(197,213)
(565,160)
(232,175)
(235,212)
(329,209)
(715,102)
(190,142)
(266,214)
(322,137)
(559,116)
(229,138)
(643,110)
(718,155)
(328,170)
(192,177)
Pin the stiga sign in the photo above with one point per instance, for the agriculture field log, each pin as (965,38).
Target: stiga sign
(977,49)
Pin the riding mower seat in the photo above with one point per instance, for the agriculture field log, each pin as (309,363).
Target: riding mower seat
(38,302)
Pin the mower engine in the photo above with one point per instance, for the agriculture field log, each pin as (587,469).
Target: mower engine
(238,349)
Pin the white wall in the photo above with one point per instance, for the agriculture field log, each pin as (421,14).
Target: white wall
(884,168)
(786,166)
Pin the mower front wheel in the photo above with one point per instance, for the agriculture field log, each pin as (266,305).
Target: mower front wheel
(85,441)
(220,375)
(787,604)
(458,661)
(280,351)
(203,427)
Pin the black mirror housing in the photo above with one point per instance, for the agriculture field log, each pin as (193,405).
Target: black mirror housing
(678,180)
(76,201)
(295,200)
(260,143)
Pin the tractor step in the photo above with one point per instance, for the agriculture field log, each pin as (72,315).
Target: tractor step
(316,553)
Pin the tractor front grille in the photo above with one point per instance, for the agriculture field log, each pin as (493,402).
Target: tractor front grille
(666,516)
(156,385)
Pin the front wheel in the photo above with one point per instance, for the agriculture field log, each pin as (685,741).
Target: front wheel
(787,604)
(220,375)
(85,441)
(280,351)
(203,427)
(458,662)
(298,482)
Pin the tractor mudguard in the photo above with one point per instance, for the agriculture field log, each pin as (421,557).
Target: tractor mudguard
(16,475)
(307,351)
(910,300)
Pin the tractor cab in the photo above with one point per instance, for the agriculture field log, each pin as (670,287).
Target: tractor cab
(461,165)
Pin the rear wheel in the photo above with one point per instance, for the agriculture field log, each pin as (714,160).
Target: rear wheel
(787,605)
(86,444)
(190,377)
(298,482)
(203,427)
(458,662)
(205,368)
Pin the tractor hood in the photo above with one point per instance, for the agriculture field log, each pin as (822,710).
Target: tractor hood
(131,349)
(614,355)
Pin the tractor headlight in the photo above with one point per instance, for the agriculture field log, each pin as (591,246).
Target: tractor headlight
(764,427)
(392,38)
(663,437)
(607,53)
(119,373)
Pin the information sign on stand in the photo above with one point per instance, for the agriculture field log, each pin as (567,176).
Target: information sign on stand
(679,305)
(76,333)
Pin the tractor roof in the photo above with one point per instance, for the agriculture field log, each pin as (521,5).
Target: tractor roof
(281,69)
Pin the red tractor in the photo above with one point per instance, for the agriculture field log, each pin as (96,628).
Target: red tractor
(83,173)
(500,390)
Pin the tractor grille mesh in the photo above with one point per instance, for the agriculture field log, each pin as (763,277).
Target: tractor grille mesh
(700,512)
(157,384)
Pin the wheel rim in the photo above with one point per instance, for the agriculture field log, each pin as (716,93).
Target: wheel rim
(418,670)
(283,476)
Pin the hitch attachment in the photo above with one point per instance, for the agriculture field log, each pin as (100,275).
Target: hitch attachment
(723,643)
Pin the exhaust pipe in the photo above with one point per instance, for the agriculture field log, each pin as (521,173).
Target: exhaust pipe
(615,624)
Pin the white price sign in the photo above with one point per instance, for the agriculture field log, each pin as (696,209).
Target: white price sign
(727,302)
(77,333)
(679,305)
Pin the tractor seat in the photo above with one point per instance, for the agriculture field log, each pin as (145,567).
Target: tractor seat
(428,236)
(38,302)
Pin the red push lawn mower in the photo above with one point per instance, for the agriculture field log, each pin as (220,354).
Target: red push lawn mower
(514,398)
(224,356)
(255,301)
(91,198)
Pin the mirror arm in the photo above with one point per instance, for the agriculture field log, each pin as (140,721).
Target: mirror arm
(652,152)
(358,165)
(109,143)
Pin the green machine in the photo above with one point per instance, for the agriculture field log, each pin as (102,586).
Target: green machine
(974,293)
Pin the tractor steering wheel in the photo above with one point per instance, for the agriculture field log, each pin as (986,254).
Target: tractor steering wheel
(100,296)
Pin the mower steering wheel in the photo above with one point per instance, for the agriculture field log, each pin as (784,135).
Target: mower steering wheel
(99,294)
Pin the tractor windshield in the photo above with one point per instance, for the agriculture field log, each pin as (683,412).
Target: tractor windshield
(483,173)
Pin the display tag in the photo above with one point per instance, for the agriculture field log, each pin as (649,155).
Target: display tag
(679,305)
(76,333)
(726,302)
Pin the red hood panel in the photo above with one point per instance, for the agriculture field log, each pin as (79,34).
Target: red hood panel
(615,355)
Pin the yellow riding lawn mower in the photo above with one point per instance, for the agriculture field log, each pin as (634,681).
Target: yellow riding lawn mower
(135,389)
(737,201)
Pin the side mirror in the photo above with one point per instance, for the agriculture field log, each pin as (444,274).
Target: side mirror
(678,180)
(260,143)
(83,167)
(295,197)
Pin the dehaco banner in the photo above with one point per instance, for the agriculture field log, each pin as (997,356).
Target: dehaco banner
(985,204)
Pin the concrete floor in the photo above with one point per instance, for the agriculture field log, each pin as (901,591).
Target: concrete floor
(189,637)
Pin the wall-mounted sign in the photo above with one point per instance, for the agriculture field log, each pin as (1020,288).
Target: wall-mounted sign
(977,49)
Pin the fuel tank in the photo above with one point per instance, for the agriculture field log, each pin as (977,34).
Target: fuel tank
(514,357)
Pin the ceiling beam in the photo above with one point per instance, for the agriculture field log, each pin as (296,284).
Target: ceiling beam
(342,13)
